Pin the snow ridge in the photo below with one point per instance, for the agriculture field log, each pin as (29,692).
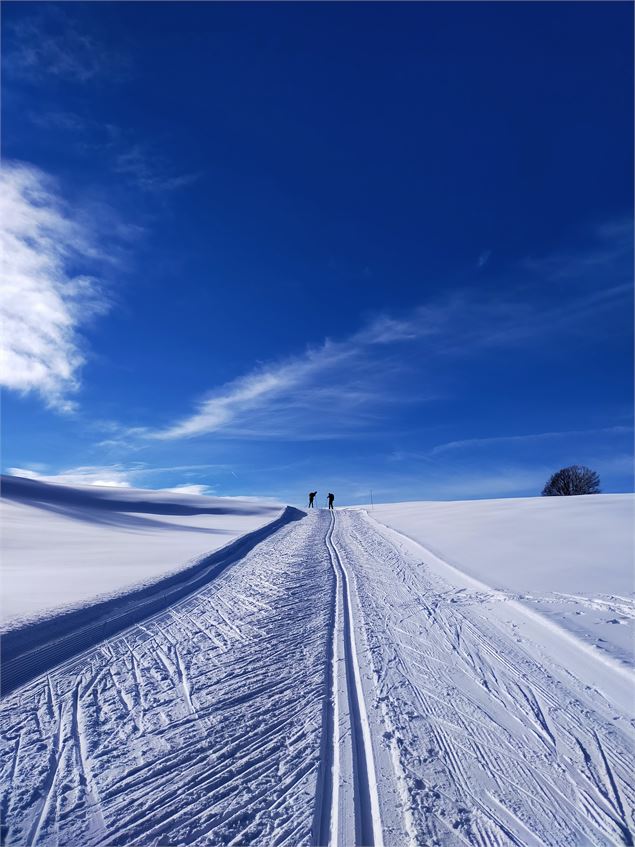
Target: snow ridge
(37,647)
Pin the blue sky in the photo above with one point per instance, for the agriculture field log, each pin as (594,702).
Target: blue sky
(263,248)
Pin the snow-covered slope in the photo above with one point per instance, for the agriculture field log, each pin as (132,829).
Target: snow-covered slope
(63,547)
(330,687)
(529,543)
(324,678)
(568,558)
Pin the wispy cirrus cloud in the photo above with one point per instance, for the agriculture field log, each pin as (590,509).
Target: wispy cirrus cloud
(515,478)
(336,382)
(150,171)
(484,258)
(609,245)
(475,443)
(506,481)
(139,164)
(45,301)
(351,383)
(59,120)
(48,43)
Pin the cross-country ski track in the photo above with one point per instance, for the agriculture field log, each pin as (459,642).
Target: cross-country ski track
(329,687)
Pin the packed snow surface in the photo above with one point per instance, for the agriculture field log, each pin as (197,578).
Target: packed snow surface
(64,547)
(529,543)
(337,685)
(569,558)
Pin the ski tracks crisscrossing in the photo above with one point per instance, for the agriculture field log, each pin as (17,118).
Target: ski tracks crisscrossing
(496,748)
(202,725)
(326,689)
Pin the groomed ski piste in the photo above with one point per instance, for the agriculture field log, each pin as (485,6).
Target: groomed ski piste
(336,683)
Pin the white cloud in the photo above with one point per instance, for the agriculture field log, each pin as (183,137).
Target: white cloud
(347,387)
(113,476)
(119,475)
(337,381)
(190,489)
(241,395)
(44,301)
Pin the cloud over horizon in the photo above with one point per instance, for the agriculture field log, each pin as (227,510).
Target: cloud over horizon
(110,476)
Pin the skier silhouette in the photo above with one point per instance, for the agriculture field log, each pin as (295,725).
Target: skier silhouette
(330,498)
(311,499)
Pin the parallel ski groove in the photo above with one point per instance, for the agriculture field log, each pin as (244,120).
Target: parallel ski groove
(368,826)
(326,804)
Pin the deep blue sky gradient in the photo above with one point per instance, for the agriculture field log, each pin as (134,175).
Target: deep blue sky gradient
(302,170)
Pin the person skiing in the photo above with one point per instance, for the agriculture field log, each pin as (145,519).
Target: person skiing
(330,498)
(311,499)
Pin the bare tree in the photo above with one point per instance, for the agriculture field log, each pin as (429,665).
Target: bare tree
(576,479)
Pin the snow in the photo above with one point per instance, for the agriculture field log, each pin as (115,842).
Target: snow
(493,739)
(199,726)
(568,558)
(541,544)
(63,547)
(334,681)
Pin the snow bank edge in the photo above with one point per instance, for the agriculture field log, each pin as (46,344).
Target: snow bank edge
(37,647)
(615,680)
